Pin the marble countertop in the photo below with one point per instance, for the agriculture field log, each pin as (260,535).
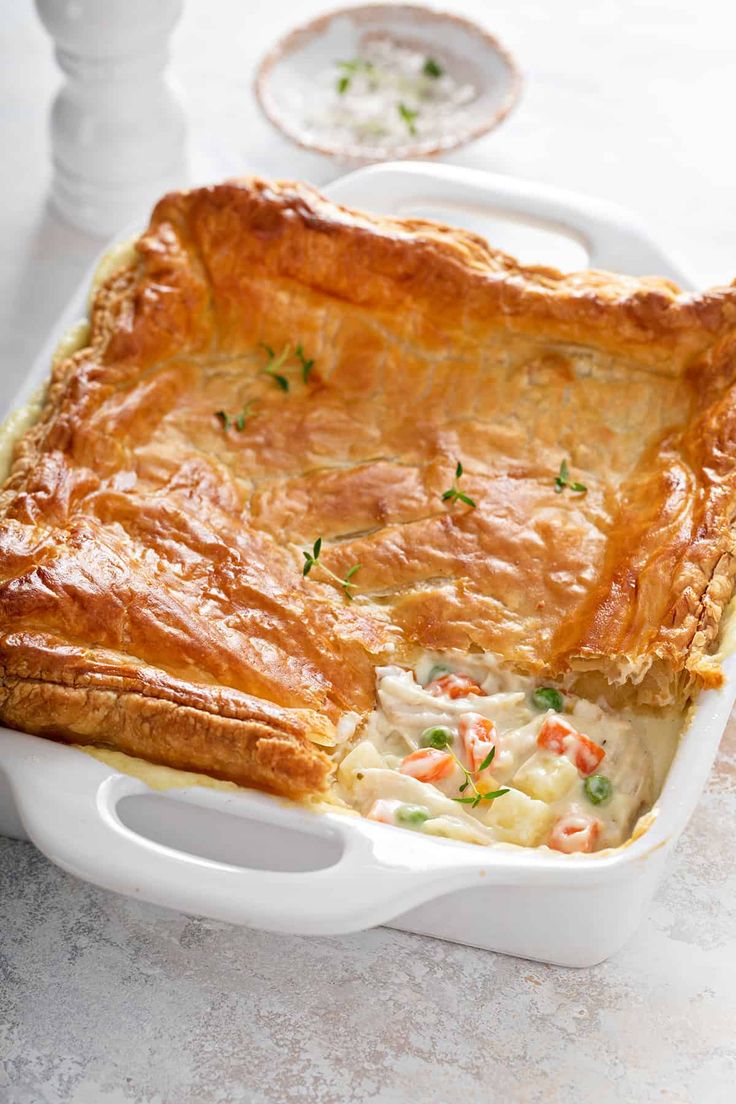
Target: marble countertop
(104,1000)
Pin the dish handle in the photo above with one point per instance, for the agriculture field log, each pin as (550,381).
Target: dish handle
(67,802)
(612,237)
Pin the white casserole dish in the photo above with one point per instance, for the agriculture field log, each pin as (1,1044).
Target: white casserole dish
(253,859)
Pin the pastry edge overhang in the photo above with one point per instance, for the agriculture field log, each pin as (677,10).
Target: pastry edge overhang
(623,314)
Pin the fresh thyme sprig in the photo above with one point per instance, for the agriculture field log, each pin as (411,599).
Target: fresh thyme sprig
(409,117)
(307,364)
(454,494)
(239,420)
(563,480)
(350,69)
(242,418)
(278,363)
(311,559)
(476,797)
(275,363)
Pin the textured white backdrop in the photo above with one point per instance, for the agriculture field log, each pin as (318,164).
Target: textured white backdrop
(106,1001)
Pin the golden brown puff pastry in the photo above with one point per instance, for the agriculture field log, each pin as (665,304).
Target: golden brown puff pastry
(151,588)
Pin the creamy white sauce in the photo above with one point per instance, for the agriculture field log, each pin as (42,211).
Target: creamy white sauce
(546,788)
(390,96)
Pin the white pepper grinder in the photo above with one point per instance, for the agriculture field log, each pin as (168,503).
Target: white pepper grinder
(118,130)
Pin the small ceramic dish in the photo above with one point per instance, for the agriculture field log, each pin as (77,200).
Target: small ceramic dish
(384,81)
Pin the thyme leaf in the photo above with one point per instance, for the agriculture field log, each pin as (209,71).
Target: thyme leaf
(346,584)
(488,759)
(454,494)
(355,65)
(351,69)
(307,364)
(239,420)
(279,363)
(409,117)
(311,559)
(476,796)
(245,413)
(432,68)
(275,363)
(562,480)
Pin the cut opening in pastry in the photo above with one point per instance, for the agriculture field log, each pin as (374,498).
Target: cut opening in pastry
(462,748)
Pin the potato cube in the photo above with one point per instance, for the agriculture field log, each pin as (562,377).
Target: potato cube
(363,756)
(516,818)
(546,776)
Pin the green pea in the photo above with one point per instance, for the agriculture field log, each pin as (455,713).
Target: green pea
(598,789)
(438,671)
(437,737)
(411,815)
(546,697)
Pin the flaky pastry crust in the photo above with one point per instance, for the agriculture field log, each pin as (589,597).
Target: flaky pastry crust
(151,595)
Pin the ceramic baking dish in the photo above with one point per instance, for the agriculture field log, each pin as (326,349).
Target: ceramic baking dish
(253,859)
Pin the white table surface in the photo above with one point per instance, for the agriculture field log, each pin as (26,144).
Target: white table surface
(107,1001)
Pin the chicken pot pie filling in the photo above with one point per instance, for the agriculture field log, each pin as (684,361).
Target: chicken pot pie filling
(461,747)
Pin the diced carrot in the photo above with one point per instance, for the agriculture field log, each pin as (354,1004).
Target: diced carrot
(574,832)
(560,737)
(454,686)
(586,755)
(479,737)
(553,734)
(383,810)
(428,765)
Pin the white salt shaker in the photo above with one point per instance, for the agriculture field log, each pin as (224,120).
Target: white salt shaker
(118,130)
